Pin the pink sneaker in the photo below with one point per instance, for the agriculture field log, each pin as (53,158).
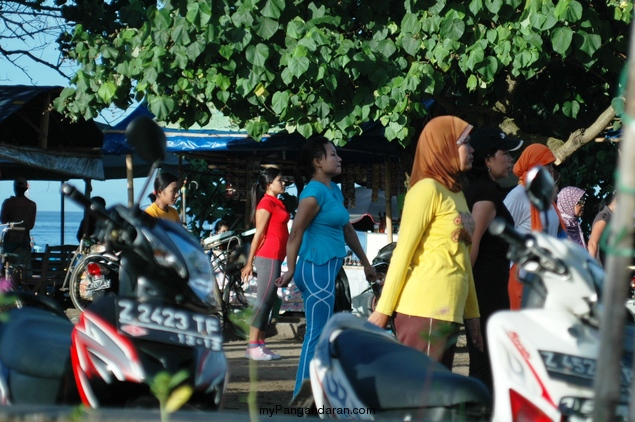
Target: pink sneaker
(274,356)
(256,353)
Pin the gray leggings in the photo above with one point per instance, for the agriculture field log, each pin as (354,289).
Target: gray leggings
(268,270)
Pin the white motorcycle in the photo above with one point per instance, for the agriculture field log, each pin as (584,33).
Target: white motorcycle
(543,356)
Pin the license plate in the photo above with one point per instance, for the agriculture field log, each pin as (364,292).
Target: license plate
(578,369)
(151,321)
(97,282)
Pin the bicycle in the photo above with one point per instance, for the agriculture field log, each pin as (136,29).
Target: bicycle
(228,254)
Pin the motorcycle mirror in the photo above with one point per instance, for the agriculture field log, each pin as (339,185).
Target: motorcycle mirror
(147,139)
(540,187)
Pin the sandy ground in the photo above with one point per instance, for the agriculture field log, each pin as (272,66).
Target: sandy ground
(272,382)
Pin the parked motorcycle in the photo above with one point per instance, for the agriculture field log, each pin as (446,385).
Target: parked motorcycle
(543,356)
(159,324)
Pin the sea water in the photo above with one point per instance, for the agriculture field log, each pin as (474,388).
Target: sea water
(48,230)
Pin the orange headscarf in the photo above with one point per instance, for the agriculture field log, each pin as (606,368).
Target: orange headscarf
(534,155)
(437,154)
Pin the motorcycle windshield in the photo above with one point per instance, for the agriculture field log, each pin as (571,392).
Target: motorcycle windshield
(198,266)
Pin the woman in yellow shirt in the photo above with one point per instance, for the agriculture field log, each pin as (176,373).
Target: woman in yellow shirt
(429,287)
(165,194)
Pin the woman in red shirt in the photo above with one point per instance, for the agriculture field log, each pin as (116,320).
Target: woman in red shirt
(268,250)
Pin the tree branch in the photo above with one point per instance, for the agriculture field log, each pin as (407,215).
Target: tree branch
(9,53)
(583,136)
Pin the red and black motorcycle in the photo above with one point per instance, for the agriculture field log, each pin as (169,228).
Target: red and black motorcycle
(161,321)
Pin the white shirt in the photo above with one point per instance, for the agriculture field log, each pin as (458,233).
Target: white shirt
(517,202)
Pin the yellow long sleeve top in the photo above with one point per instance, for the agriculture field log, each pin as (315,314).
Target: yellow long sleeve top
(171,214)
(430,274)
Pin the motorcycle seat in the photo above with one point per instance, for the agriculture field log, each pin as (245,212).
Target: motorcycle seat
(387,375)
(36,342)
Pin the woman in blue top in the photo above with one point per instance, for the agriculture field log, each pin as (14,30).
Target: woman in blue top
(320,229)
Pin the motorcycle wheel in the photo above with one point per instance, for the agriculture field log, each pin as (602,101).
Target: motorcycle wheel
(236,310)
(78,297)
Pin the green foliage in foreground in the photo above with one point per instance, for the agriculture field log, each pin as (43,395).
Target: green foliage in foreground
(327,67)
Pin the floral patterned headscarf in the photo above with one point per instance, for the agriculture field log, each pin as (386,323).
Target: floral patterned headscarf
(568,198)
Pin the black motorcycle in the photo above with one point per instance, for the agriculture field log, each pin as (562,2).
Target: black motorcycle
(158,329)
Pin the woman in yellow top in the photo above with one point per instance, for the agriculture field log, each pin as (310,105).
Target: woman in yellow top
(429,287)
(165,194)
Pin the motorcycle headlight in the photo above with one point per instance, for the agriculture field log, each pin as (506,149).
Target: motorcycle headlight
(163,256)
(198,267)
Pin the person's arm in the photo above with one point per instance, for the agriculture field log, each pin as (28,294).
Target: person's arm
(594,238)
(308,208)
(262,221)
(352,240)
(483,213)
(30,223)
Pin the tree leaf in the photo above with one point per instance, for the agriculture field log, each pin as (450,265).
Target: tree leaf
(178,398)
(257,128)
(384,47)
(257,55)
(574,12)
(561,39)
(474,58)
(267,28)
(588,43)
(107,91)
(488,68)
(273,9)
(410,24)
(161,106)
(452,29)
(411,45)
(280,102)
(476,6)
(494,6)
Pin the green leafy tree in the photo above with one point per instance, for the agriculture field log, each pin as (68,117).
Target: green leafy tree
(542,70)
(207,199)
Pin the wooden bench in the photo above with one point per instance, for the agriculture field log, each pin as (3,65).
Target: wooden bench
(35,282)
(55,266)
(49,268)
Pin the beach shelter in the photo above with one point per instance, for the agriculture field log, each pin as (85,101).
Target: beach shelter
(227,147)
(39,143)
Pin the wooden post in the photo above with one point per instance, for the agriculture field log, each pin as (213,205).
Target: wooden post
(620,254)
(44,124)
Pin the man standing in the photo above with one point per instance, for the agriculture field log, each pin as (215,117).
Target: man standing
(19,209)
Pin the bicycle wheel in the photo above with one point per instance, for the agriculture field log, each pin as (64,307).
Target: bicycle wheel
(236,310)
(85,286)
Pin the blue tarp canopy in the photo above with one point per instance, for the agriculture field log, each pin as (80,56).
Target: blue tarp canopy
(39,143)
(222,137)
